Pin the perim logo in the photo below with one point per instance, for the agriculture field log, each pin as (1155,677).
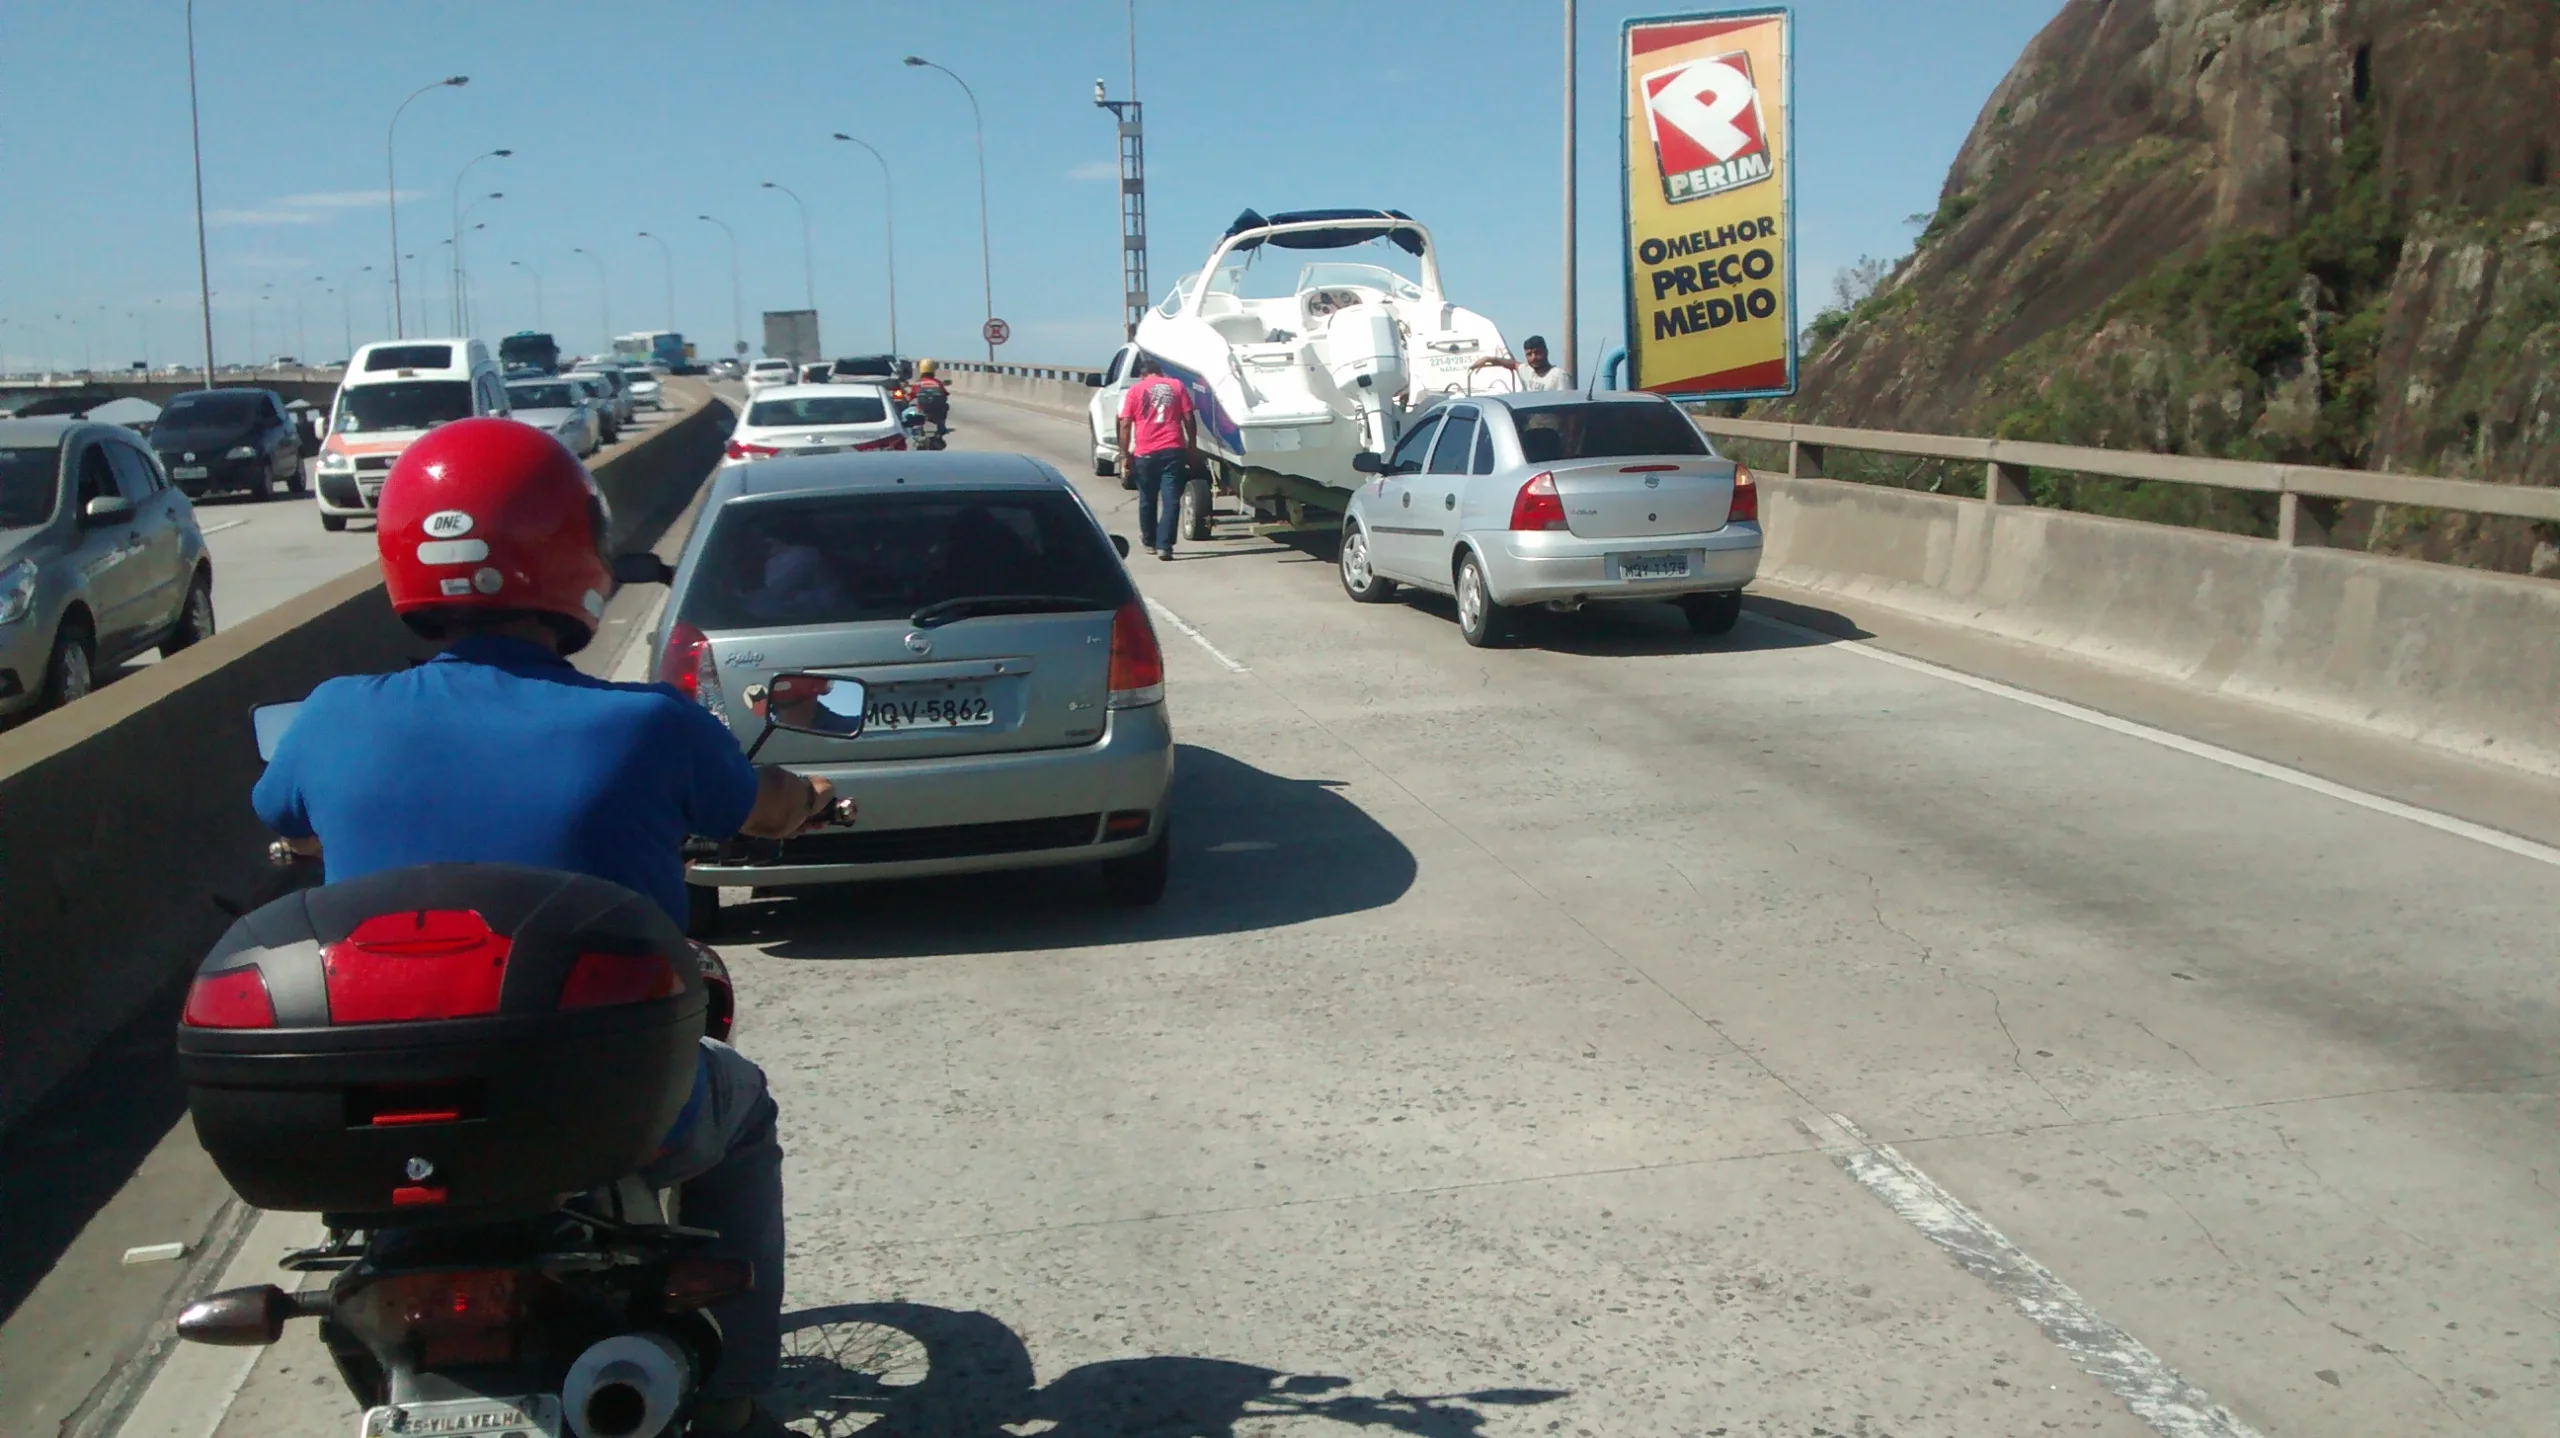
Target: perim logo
(1707,135)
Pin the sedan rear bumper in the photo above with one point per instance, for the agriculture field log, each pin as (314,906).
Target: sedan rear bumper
(975,813)
(1557,568)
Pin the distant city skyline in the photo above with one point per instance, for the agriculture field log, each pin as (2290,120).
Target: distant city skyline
(1448,110)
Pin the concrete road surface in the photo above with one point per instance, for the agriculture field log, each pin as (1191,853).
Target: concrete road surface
(1629,1034)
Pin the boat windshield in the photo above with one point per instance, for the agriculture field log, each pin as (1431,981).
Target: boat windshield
(1178,296)
(1263,275)
(1334,275)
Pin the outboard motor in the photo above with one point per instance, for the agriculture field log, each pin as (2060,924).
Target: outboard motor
(460,1066)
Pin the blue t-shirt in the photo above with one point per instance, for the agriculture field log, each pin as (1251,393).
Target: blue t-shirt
(497,751)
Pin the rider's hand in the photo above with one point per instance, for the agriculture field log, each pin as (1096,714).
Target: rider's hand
(822,805)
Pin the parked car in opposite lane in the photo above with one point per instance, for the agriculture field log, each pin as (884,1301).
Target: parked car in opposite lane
(215,441)
(1554,498)
(100,559)
(559,407)
(1014,715)
(784,421)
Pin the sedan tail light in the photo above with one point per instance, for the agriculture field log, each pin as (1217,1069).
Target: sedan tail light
(1137,661)
(741,449)
(681,665)
(895,441)
(1536,506)
(1746,497)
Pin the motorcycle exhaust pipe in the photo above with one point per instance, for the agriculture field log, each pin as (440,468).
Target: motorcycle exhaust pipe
(628,1386)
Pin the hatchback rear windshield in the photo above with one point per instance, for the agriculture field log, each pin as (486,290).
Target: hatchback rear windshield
(1551,433)
(409,357)
(861,558)
(27,485)
(213,410)
(405,404)
(542,396)
(855,408)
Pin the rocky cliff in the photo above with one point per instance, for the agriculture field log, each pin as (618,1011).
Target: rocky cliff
(2322,231)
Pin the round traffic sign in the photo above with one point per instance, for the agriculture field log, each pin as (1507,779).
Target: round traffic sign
(997,332)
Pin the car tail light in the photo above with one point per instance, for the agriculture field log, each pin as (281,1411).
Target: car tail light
(682,665)
(429,964)
(1746,497)
(603,981)
(895,441)
(741,449)
(1536,505)
(1137,661)
(236,999)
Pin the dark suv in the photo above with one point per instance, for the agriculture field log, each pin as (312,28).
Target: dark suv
(214,440)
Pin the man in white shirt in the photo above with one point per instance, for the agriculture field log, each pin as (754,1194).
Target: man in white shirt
(1531,370)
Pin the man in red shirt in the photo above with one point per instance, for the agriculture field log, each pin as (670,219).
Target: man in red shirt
(1159,442)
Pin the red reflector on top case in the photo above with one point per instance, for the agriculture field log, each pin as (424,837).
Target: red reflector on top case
(604,980)
(233,1000)
(424,964)
(417,1196)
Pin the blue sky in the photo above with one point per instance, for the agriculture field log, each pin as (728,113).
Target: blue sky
(642,114)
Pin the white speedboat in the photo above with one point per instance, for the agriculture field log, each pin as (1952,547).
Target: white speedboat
(1298,365)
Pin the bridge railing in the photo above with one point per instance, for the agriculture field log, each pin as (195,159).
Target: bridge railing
(2301,490)
(1064,374)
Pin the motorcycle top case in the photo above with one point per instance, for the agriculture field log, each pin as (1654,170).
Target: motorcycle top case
(446,1042)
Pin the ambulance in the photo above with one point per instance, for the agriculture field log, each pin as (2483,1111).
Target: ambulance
(393,392)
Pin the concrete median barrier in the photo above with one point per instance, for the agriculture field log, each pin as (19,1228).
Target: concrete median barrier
(2462,660)
(124,816)
(1065,397)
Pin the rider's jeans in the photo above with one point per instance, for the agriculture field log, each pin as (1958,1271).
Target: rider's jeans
(730,1165)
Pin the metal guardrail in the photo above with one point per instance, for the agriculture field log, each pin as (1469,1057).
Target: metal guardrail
(2006,462)
(1068,374)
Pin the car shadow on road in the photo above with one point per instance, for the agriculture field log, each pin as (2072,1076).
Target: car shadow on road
(907,1370)
(1638,629)
(1252,850)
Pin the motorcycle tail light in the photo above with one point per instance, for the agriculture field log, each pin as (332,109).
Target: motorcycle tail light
(449,1317)
(698,1281)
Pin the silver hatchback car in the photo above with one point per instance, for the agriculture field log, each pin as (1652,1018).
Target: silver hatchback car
(100,559)
(1014,713)
(1554,498)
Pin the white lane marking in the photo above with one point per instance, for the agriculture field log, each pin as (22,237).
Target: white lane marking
(1196,637)
(2212,753)
(2118,1360)
(196,1385)
(218,528)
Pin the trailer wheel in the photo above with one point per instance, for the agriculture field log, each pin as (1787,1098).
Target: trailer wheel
(1198,507)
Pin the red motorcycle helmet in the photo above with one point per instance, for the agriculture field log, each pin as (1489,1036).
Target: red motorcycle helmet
(491,517)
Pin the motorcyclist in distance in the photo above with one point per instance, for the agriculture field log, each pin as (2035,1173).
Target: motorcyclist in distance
(497,751)
(932,396)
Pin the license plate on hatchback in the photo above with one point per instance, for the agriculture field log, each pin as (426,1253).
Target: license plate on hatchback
(188,471)
(1653,566)
(532,1415)
(927,706)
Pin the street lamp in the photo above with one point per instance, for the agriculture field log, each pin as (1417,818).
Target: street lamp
(195,141)
(460,320)
(391,189)
(808,250)
(604,294)
(986,266)
(889,217)
(737,313)
(670,257)
(537,289)
(386,304)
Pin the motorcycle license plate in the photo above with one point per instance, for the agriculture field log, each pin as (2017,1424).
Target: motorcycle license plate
(927,706)
(535,1415)
(188,471)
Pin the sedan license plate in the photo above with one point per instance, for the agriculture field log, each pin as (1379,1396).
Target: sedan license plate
(187,471)
(534,1416)
(927,706)
(1653,566)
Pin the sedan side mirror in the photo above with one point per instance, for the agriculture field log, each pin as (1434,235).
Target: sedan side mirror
(106,509)
(1121,542)
(1368,463)
(642,569)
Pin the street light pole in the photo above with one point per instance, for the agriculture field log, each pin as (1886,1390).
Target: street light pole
(391,189)
(461,273)
(195,140)
(604,294)
(808,249)
(670,257)
(986,264)
(1572,332)
(889,245)
(537,289)
(460,320)
(737,311)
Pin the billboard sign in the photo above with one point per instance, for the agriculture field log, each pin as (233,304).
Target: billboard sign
(1709,194)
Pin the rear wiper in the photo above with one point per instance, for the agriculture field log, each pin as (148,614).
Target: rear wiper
(972,606)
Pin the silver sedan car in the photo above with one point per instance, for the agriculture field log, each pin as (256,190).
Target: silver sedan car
(1559,499)
(1014,713)
(100,559)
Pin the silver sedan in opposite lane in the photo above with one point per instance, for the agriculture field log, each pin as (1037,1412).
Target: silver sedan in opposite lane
(1554,498)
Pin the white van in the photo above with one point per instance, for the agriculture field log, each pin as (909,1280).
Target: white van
(393,392)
